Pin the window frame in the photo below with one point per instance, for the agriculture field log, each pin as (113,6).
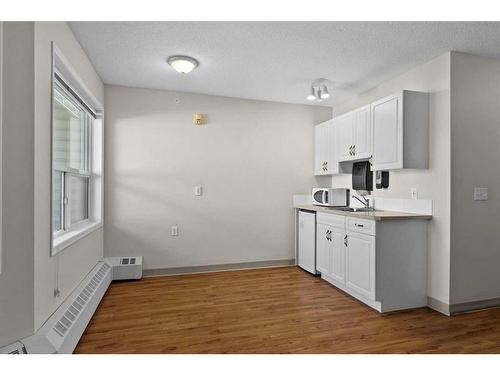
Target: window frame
(86,157)
(93,167)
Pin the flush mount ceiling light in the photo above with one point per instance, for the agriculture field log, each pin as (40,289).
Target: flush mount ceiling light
(182,64)
(319,90)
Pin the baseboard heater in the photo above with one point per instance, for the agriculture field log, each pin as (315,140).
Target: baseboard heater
(62,331)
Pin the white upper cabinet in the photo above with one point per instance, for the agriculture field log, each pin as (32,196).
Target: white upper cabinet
(362,133)
(393,131)
(325,160)
(343,125)
(400,131)
(353,135)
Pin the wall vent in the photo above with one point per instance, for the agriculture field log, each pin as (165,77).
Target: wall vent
(64,328)
(126,268)
(128,261)
(71,314)
(15,348)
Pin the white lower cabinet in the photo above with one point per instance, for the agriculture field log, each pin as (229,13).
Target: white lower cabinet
(381,263)
(322,248)
(337,255)
(360,263)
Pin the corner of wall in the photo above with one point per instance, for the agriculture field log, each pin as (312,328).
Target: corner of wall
(16,280)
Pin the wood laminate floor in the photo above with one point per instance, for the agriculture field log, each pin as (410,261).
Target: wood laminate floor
(273,310)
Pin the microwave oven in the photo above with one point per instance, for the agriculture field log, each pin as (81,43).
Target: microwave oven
(332,197)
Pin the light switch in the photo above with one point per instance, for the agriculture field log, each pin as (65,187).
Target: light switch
(174,230)
(480,194)
(414,193)
(197,190)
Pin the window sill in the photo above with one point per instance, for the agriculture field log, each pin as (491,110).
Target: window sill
(65,240)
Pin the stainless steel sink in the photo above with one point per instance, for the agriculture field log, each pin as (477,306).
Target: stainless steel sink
(356,209)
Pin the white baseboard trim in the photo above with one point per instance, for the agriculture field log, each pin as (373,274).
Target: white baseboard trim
(438,305)
(460,308)
(217,267)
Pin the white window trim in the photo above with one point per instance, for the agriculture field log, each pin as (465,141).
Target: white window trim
(63,239)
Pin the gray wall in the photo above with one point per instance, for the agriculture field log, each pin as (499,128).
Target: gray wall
(475,161)
(250,158)
(29,274)
(16,279)
(432,183)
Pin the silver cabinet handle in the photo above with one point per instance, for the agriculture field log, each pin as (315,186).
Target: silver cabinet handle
(359,225)
(345,241)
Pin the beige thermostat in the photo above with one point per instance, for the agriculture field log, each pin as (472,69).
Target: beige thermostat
(198,119)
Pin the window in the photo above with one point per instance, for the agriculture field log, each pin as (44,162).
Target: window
(72,176)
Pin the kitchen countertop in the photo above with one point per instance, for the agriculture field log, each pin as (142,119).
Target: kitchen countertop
(372,215)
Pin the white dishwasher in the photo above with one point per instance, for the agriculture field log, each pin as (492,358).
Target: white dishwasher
(307,241)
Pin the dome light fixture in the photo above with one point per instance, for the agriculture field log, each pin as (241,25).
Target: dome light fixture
(182,64)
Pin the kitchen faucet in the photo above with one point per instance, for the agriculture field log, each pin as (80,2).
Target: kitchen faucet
(365,201)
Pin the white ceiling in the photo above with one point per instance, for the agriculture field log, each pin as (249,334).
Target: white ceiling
(274,60)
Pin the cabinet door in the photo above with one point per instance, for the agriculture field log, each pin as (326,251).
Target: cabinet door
(332,165)
(307,241)
(337,255)
(360,263)
(362,133)
(387,133)
(322,248)
(325,158)
(322,140)
(344,139)
(320,148)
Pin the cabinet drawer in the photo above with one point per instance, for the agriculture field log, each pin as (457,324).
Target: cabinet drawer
(361,226)
(333,220)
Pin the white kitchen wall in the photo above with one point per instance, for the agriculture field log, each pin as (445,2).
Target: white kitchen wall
(16,279)
(432,183)
(250,158)
(66,269)
(475,160)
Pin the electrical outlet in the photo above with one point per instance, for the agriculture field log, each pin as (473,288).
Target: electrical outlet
(414,193)
(480,194)
(197,190)
(174,230)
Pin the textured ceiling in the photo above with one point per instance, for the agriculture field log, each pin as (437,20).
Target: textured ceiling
(274,60)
